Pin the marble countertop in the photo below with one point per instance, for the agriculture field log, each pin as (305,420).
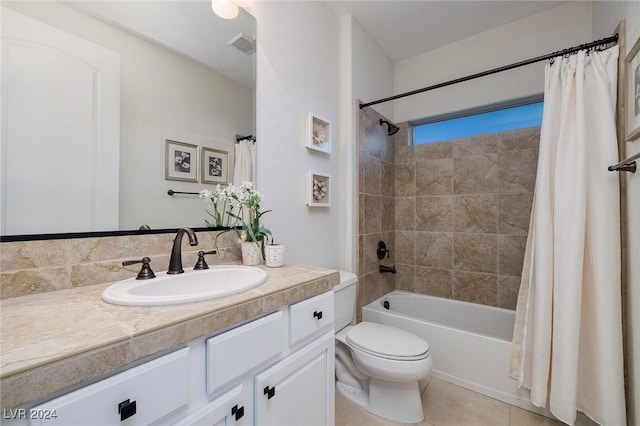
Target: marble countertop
(55,340)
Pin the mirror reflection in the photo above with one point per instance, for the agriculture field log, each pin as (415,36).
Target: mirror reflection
(100,98)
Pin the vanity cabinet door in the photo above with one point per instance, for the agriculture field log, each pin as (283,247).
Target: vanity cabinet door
(228,409)
(138,396)
(298,390)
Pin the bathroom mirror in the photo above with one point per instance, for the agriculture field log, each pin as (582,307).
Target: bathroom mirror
(146,72)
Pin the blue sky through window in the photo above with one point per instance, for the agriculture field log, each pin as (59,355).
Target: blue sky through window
(518,117)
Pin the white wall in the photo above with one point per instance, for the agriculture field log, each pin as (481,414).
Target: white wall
(555,29)
(606,16)
(372,71)
(298,46)
(366,75)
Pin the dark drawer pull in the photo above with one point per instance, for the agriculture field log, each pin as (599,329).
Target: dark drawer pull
(317,314)
(270,392)
(126,409)
(238,412)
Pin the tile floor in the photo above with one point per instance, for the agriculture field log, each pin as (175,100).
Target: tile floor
(446,404)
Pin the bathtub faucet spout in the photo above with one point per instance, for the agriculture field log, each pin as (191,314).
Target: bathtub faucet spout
(391,269)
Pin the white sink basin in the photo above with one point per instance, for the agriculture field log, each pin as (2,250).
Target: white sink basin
(190,286)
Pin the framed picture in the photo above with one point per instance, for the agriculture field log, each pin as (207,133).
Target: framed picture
(633,92)
(318,189)
(181,161)
(318,134)
(215,166)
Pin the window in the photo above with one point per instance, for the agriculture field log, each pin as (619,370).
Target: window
(478,123)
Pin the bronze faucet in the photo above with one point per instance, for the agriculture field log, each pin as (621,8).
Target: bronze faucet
(175,262)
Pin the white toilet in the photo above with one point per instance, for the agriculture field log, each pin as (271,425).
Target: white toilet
(378,366)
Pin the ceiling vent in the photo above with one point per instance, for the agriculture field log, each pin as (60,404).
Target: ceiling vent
(244,43)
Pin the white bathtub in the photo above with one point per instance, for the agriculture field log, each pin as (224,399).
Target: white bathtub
(469,343)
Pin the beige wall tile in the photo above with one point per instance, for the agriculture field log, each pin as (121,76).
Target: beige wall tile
(486,144)
(476,288)
(517,140)
(372,214)
(387,179)
(432,151)
(405,180)
(475,213)
(34,254)
(511,254)
(515,212)
(517,171)
(475,253)
(33,281)
(405,214)
(434,213)
(475,174)
(387,212)
(507,296)
(405,247)
(434,282)
(434,177)
(434,249)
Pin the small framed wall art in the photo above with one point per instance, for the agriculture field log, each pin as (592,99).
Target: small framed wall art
(215,166)
(318,134)
(633,92)
(318,189)
(181,161)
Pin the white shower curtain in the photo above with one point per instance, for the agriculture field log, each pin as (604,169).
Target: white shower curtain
(245,163)
(567,345)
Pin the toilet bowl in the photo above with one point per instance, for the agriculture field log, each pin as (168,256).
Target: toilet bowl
(378,366)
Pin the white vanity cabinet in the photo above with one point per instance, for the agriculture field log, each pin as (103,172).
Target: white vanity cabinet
(138,396)
(277,369)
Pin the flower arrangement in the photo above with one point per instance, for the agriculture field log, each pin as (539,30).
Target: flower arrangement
(238,207)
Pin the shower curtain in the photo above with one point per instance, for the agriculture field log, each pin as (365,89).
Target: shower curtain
(245,164)
(567,345)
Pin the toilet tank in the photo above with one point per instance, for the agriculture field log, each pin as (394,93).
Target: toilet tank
(344,298)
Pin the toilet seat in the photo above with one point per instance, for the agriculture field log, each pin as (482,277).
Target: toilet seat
(387,342)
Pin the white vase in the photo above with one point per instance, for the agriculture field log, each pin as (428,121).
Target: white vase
(251,253)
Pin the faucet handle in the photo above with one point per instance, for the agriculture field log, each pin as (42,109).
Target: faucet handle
(201,264)
(382,250)
(145,272)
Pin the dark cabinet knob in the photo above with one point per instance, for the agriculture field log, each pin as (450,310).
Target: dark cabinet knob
(238,412)
(317,314)
(126,409)
(270,392)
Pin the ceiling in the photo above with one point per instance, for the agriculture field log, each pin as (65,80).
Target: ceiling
(404,29)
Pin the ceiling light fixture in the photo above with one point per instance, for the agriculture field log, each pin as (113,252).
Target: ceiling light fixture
(228,9)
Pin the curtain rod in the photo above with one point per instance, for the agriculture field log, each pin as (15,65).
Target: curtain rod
(604,41)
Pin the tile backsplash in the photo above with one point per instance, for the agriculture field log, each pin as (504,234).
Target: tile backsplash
(29,267)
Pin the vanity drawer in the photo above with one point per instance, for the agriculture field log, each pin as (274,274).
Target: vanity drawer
(310,317)
(235,352)
(153,390)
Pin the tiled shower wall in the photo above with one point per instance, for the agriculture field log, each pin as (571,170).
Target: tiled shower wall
(460,214)
(376,205)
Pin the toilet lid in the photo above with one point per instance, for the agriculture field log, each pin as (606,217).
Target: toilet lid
(387,342)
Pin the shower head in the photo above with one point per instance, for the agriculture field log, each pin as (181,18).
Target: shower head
(392,129)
